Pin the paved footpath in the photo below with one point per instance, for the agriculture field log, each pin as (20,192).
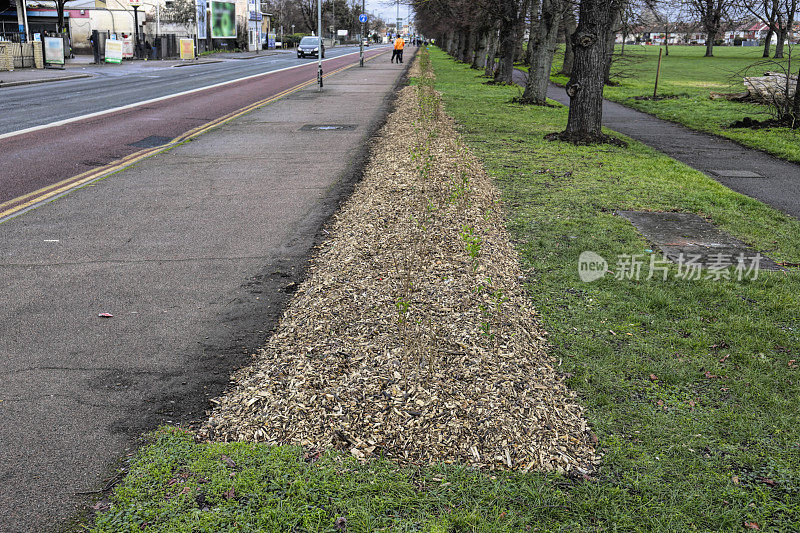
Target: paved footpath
(778,186)
(194,252)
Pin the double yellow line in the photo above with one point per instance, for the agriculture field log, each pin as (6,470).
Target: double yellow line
(22,203)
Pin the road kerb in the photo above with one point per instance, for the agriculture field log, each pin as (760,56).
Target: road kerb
(17,206)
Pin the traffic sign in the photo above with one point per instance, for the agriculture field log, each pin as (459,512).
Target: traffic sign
(362,18)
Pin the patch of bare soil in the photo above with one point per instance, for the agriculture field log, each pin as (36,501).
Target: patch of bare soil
(412,337)
(748,122)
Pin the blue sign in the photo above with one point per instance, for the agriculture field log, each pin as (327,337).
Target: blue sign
(362,18)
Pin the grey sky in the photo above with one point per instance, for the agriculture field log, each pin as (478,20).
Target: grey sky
(387,10)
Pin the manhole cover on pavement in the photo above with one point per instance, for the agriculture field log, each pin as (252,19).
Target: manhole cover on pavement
(151,142)
(328,127)
(736,174)
(681,236)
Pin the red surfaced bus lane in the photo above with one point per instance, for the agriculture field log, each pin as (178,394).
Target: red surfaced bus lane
(38,164)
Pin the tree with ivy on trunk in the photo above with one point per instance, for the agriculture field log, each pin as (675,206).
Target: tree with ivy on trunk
(596,19)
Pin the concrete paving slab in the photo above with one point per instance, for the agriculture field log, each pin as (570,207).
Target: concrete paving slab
(192,251)
(684,236)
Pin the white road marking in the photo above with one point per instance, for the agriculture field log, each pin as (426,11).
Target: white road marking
(153,100)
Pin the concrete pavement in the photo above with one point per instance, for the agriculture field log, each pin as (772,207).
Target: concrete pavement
(751,172)
(194,252)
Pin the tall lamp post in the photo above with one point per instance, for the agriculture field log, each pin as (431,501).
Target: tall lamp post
(135,5)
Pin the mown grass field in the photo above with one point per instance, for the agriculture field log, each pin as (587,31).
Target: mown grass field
(691,386)
(686,80)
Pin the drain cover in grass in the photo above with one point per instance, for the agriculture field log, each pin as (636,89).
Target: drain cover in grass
(692,236)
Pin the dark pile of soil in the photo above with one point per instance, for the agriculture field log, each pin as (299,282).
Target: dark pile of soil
(748,122)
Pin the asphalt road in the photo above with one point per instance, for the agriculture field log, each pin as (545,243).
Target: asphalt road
(37,159)
(194,252)
(32,105)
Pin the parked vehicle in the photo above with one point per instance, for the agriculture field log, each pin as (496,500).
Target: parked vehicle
(310,47)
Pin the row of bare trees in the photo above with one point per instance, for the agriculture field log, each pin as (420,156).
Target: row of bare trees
(489,35)
(711,16)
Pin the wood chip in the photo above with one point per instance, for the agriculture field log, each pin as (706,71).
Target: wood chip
(412,337)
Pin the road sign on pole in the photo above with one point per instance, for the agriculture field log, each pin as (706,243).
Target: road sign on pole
(362,18)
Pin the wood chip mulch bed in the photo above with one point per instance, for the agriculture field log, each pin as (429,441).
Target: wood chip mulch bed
(412,337)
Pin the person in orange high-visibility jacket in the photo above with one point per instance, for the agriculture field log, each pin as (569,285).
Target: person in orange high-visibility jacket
(399,43)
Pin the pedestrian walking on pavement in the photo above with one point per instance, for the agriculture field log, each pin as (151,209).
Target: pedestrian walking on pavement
(399,43)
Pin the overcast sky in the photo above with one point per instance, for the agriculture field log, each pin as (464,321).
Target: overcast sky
(387,10)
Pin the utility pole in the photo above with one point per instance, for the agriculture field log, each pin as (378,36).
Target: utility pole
(319,50)
(22,20)
(25,16)
(136,29)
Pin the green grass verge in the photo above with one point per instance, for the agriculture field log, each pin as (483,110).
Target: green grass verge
(687,78)
(683,452)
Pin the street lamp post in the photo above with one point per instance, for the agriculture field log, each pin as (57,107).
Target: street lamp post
(136,29)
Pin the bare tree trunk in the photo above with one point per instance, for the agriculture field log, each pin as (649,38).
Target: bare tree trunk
(616,18)
(508,41)
(546,32)
(779,45)
(456,44)
(491,53)
(767,43)
(511,24)
(469,53)
(479,56)
(569,55)
(585,87)
(796,105)
(711,36)
(534,14)
(462,45)
(519,49)
(666,42)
